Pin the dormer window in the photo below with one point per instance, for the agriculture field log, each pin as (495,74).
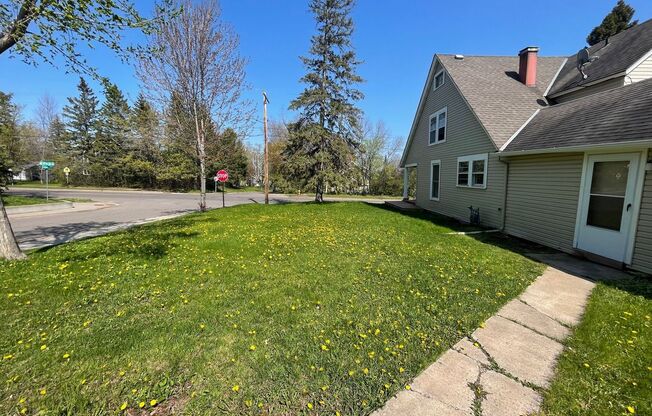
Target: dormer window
(439,79)
(438,127)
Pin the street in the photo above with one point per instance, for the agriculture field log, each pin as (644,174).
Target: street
(114,210)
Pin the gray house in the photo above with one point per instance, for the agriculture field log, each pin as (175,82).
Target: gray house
(550,149)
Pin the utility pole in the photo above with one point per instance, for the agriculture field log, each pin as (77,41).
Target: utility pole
(266,160)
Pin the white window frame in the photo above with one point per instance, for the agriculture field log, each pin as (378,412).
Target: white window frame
(434,80)
(433,163)
(470,159)
(436,116)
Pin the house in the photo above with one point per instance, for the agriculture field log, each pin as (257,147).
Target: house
(550,149)
(29,172)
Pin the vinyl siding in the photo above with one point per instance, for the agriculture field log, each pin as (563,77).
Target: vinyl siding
(542,196)
(641,72)
(642,259)
(583,92)
(465,136)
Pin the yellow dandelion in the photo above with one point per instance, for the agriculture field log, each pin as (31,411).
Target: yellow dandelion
(66,356)
(123,406)
(310,406)
(141,404)
(408,387)
(235,388)
(631,409)
(43,347)
(43,392)
(252,348)
(153,402)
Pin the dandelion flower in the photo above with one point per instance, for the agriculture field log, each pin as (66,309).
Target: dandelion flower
(66,356)
(310,406)
(252,348)
(235,388)
(631,409)
(43,347)
(123,406)
(43,391)
(141,404)
(153,402)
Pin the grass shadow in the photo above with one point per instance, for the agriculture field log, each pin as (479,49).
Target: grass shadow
(432,217)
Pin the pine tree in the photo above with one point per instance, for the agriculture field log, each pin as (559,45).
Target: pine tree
(228,152)
(320,148)
(145,153)
(110,145)
(615,22)
(81,125)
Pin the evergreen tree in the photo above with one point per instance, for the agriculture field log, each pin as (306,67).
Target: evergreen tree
(319,151)
(615,22)
(229,153)
(141,163)
(81,125)
(110,145)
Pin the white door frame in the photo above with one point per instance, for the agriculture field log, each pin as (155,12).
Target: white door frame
(638,193)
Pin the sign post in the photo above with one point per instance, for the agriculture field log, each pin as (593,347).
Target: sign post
(222,176)
(46,165)
(66,170)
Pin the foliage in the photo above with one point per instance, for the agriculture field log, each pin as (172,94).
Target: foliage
(246,310)
(82,121)
(321,142)
(52,31)
(617,20)
(229,153)
(606,368)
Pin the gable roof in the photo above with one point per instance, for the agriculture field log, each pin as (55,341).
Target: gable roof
(618,116)
(492,89)
(616,56)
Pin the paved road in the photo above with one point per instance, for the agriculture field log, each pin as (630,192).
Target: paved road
(114,210)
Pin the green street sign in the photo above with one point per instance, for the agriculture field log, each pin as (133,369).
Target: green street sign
(46,164)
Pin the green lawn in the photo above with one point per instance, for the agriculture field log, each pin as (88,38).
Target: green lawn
(282,309)
(607,366)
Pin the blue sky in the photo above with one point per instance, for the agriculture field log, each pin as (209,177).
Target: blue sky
(394,38)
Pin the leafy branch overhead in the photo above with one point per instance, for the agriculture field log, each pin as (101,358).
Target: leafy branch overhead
(50,30)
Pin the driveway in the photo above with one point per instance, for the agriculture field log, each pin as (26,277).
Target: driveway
(113,210)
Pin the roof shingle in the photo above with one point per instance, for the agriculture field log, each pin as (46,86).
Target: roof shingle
(615,56)
(491,87)
(619,115)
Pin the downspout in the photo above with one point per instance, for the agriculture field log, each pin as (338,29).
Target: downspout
(502,228)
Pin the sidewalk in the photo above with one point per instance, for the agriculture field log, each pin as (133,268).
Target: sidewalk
(503,367)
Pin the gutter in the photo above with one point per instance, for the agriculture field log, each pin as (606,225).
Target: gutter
(579,148)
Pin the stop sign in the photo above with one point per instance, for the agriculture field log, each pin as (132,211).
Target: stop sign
(222,175)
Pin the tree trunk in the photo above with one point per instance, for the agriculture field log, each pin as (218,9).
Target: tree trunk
(8,246)
(319,193)
(201,154)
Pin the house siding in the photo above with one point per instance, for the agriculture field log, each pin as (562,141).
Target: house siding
(603,86)
(641,72)
(465,136)
(642,259)
(542,197)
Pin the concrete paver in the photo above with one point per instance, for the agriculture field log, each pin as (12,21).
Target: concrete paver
(559,295)
(415,404)
(531,318)
(519,350)
(447,380)
(466,347)
(506,397)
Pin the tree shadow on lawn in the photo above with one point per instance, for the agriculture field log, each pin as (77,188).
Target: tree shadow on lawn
(149,241)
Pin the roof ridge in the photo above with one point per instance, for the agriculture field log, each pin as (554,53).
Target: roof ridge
(497,56)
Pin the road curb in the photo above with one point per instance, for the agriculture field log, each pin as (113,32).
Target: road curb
(25,209)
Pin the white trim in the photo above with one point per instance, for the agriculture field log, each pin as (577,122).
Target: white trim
(636,200)
(519,130)
(436,115)
(634,145)
(433,163)
(472,158)
(411,165)
(637,63)
(545,94)
(434,79)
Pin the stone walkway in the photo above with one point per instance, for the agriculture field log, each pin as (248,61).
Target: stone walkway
(502,368)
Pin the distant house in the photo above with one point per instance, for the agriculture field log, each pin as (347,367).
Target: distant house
(542,151)
(29,172)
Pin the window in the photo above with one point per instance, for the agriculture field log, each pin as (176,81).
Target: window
(439,79)
(435,167)
(472,171)
(438,127)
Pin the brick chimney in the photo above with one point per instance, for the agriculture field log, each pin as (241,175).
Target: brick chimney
(527,68)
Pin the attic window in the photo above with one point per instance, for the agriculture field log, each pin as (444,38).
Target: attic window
(437,133)
(439,79)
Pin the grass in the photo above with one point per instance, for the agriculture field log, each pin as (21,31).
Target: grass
(606,368)
(289,309)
